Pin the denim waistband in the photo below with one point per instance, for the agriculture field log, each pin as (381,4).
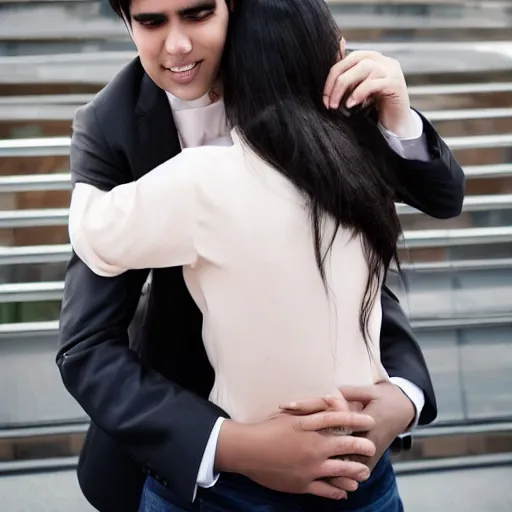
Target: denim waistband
(382,482)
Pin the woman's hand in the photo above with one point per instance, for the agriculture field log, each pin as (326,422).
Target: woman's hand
(364,77)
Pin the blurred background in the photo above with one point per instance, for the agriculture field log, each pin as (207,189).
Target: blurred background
(457,57)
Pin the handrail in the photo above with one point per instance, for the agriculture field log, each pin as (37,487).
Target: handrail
(34,218)
(47,146)
(427,267)
(59,146)
(472,203)
(35,182)
(468,114)
(51,328)
(31,292)
(59,216)
(62,181)
(35,254)
(458,89)
(414,90)
(479,141)
(412,239)
(488,171)
(456,237)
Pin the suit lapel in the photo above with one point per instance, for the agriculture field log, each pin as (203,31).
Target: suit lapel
(157,136)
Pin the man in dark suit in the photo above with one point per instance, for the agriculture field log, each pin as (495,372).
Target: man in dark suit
(147,393)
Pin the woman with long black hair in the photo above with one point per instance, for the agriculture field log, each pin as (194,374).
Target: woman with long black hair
(285,238)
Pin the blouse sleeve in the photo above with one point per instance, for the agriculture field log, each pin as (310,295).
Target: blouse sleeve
(149,223)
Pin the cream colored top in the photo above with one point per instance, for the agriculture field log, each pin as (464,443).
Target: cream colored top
(242,233)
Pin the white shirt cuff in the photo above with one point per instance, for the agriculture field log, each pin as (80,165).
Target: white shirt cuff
(415,395)
(412,147)
(205,476)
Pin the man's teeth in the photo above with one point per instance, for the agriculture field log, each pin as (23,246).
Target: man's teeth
(182,69)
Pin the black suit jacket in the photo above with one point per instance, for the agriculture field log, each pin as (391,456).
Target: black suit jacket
(147,396)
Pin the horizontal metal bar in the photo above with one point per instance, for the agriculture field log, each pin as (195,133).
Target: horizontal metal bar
(456,237)
(413,239)
(403,468)
(488,171)
(62,181)
(59,146)
(463,429)
(437,324)
(35,254)
(468,114)
(457,265)
(35,182)
(66,111)
(44,431)
(414,90)
(458,89)
(59,216)
(47,146)
(31,292)
(47,99)
(479,142)
(34,218)
(22,330)
(471,204)
(22,467)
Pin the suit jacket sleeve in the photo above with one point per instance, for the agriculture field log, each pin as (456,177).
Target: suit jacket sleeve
(437,189)
(154,420)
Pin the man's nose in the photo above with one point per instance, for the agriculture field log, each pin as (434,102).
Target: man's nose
(178,42)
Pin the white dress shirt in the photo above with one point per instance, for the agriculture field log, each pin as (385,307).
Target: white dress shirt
(202,123)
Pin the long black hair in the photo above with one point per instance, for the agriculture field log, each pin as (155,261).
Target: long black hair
(277,58)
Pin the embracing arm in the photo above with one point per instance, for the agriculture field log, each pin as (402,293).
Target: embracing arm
(435,184)
(148,223)
(154,420)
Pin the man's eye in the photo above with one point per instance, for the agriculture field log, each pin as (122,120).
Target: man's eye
(200,15)
(151,23)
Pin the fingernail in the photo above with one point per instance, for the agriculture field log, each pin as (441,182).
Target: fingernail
(334,106)
(351,102)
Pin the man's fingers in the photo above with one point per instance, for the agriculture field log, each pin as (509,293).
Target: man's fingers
(348,470)
(364,394)
(354,421)
(365,90)
(311,406)
(341,446)
(347,484)
(326,490)
(350,80)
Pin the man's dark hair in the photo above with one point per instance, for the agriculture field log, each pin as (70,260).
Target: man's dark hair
(276,61)
(121,8)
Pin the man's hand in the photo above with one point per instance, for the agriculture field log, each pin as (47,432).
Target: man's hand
(392,411)
(364,77)
(298,453)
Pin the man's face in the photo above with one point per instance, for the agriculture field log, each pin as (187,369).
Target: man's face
(180,43)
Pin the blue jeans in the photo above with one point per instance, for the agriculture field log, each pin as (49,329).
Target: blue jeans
(235,493)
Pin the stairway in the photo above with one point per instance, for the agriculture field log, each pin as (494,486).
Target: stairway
(458,61)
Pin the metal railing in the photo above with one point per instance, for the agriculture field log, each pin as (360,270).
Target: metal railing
(62,181)
(59,146)
(412,240)
(59,216)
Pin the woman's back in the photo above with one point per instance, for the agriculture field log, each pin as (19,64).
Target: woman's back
(273,330)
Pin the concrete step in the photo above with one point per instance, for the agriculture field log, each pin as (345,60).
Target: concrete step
(423,63)
(74,27)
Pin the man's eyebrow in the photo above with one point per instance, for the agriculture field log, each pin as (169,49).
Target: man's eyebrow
(149,16)
(205,5)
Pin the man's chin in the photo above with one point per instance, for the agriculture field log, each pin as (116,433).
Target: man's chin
(188,93)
